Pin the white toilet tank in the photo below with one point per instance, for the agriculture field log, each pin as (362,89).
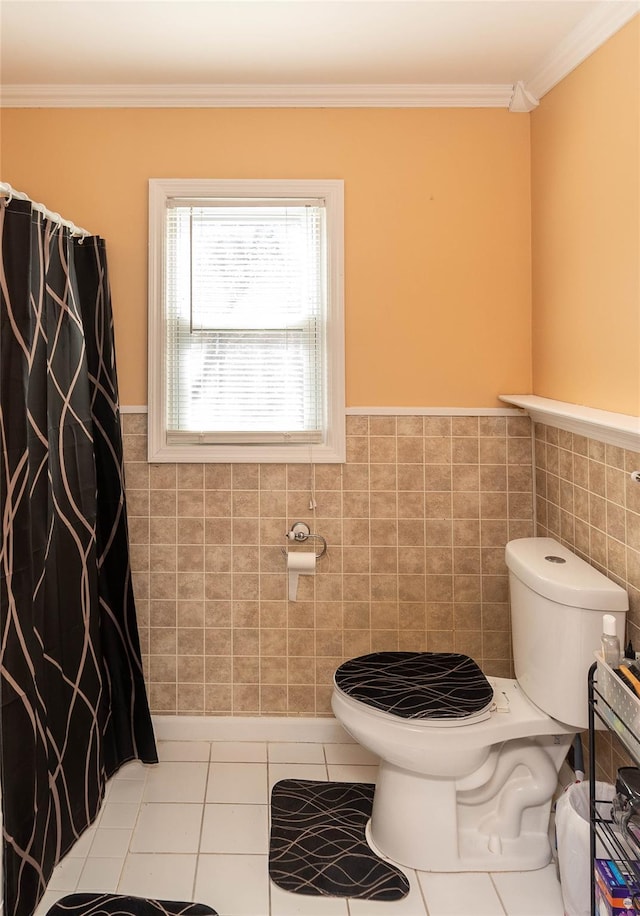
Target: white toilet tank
(557,603)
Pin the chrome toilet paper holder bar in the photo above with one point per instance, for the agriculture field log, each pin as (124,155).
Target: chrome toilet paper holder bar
(300,532)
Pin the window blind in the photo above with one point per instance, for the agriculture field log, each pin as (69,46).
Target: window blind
(245,309)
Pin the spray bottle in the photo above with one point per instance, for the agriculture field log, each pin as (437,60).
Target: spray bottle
(610,642)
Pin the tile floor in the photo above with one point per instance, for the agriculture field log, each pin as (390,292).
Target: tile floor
(196,828)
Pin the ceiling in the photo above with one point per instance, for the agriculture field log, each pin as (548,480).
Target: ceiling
(49,47)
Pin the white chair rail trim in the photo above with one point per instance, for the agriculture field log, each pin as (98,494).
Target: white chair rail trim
(618,429)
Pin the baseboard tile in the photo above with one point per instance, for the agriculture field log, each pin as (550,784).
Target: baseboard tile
(250,728)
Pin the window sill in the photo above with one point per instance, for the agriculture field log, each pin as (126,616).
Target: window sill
(245,454)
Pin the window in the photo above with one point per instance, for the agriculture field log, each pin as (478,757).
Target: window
(246,337)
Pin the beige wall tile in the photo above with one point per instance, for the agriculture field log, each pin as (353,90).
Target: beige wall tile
(357,425)
(357,449)
(600,523)
(134,447)
(465,450)
(382,426)
(438,426)
(162,530)
(163,697)
(190,476)
(217,699)
(162,476)
(409,426)
(416,523)
(464,426)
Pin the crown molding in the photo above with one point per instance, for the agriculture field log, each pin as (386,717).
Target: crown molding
(596,28)
(257,96)
(591,32)
(522,101)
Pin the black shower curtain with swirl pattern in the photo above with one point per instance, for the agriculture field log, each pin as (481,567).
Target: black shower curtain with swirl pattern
(73,701)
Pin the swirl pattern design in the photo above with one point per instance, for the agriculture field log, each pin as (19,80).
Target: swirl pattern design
(318,844)
(122,905)
(417,685)
(73,701)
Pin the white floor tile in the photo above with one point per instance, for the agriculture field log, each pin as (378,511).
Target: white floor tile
(119,815)
(231,833)
(183,750)
(239,751)
(352,772)
(284,903)
(177,782)
(235,829)
(110,843)
(167,877)
(290,752)
(167,828)
(530,893)
(100,876)
(65,875)
(82,845)
(233,885)
(278,771)
(460,894)
(411,905)
(237,783)
(350,753)
(126,791)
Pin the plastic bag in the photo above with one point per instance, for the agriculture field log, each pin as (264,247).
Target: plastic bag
(572,836)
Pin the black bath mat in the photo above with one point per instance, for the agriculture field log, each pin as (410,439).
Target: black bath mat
(122,905)
(318,844)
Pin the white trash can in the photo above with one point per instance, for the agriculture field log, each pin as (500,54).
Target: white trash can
(573,840)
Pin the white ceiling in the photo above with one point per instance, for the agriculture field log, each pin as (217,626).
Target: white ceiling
(304,43)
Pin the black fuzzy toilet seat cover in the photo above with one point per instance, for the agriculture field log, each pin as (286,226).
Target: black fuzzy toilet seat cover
(417,685)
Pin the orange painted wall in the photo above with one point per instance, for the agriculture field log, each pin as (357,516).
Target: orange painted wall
(437,234)
(585,154)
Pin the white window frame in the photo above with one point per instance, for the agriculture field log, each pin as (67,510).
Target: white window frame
(333,449)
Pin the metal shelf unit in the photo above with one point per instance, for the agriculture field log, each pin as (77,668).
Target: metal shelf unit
(619,711)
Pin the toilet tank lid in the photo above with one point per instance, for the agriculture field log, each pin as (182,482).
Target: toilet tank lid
(572,582)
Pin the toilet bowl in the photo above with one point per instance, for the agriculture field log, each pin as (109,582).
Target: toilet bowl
(469,765)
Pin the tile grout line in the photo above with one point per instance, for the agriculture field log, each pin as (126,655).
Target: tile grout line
(196,870)
(498,894)
(135,824)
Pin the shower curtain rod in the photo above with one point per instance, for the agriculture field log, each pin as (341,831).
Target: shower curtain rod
(7,191)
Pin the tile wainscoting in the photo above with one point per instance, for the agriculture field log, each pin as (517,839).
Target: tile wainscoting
(416,521)
(586,499)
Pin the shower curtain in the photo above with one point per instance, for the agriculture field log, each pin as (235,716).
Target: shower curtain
(73,701)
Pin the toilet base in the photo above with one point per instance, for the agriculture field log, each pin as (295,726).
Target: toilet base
(432,824)
(534,850)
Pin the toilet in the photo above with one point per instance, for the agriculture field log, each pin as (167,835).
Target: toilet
(469,764)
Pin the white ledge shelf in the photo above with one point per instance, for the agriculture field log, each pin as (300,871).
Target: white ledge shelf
(619,429)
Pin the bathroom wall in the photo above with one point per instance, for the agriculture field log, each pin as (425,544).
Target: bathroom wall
(585,152)
(437,303)
(440,234)
(586,499)
(416,522)
(437,227)
(585,191)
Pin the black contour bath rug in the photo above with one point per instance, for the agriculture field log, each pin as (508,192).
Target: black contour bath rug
(123,905)
(318,844)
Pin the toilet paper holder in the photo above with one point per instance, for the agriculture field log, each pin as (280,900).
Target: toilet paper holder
(300,532)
